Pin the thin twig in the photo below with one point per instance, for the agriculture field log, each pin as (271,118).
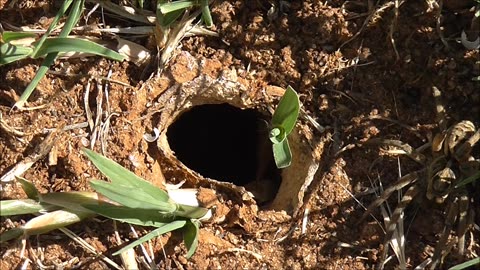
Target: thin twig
(98,116)
(97,77)
(144,250)
(89,248)
(88,112)
(254,254)
(305,221)
(128,256)
(393,26)
(290,232)
(367,21)
(438,15)
(9,129)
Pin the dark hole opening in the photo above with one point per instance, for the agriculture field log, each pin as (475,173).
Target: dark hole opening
(229,144)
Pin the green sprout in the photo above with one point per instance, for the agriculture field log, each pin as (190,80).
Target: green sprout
(49,47)
(168,12)
(283,122)
(127,198)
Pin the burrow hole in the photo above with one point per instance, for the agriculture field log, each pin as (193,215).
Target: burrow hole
(229,144)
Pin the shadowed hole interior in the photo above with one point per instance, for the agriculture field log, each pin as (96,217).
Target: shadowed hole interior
(224,143)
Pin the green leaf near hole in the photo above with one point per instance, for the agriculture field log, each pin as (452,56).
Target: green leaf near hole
(277,135)
(283,122)
(282,154)
(133,198)
(190,237)
(121,176)
(188,211)
(72,200)
(142,217)
(287,111)
(157,232)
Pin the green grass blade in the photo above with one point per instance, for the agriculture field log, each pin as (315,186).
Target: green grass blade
(8,36)
(53,45)
(175,5)
(134,198)
(468,180)
(66,4)
(28,187)
(73,18)
(165,20)
(23,206)
(10,53)
(142,217)
(121,176)
(11,234)
(50,58)
(206,15)
(54,220)
(71,200)
(287,111)
(38,76)
(190,237)
(471,263)
(282,154)
(140,3)
(188,211)
(157,232)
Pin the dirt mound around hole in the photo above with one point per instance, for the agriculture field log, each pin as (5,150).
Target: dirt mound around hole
(201,154)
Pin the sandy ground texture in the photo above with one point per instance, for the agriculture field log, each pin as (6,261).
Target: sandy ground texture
(364,70)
